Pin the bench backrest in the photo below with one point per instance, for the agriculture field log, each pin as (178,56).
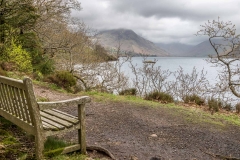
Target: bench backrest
(18,103)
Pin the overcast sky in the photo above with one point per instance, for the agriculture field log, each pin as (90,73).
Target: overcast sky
(163,21)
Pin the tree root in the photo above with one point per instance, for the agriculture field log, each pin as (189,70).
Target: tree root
(220,156)
(101,149)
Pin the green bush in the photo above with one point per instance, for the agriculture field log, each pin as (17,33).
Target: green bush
(46,66)
(214,104)
(15,53)
(63,79)
(194,98)
(227,107)
(130,91)
(159,96)
(237,106)
(2,72)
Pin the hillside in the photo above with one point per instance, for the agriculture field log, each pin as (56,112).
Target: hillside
(129,42)
(176,49)
(203,49)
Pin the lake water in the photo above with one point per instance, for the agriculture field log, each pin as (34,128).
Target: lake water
(174,63)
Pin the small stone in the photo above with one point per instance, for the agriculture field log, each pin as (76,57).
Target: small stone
(154,135)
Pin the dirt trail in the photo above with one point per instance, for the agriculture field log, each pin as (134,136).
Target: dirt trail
(141,132)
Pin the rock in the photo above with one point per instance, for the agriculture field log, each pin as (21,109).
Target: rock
(154,135)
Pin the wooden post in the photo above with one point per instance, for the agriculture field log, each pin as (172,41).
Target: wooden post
(82,130)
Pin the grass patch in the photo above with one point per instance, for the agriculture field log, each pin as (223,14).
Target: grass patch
(189,114)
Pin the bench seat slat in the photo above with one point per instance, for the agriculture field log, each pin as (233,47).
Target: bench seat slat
(56,119)
(62,116)
(69,115)
(50,122)
(47,126)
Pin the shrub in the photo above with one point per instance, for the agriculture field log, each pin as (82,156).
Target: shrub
(194,98)
(63,79)
(227,107)
(15,53)
(159,96)
(2,72)
(130,91)
(237,106)
(214,104)
(46,66)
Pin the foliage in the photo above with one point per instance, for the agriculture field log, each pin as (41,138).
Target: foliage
(53,143)
(214,104)
(237,106)
(45,66)
(63,79)
(16,54)
(227,107)
(194,98)
(130,91)
(159,96)
(2,72)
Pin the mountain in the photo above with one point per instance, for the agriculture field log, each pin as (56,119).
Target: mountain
(129,42)
(176,49)
(205,49)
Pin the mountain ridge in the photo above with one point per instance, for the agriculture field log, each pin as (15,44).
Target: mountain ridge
(129,42)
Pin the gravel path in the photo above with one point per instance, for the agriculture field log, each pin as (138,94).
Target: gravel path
(140,132)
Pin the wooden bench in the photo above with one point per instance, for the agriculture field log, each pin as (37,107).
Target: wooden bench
(18,105)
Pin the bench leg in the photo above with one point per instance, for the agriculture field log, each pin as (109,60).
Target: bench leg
(82,130)
(39,146)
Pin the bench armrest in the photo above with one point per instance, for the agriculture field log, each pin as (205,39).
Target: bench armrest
(69,102)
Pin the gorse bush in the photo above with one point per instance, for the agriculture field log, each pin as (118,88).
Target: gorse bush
(16,54)
(194,98)
(159,96)
(214,104)
(62,79)
(130,91)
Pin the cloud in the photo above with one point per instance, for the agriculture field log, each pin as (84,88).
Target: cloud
(158,20)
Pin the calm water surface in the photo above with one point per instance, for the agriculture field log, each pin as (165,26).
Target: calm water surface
(173,64)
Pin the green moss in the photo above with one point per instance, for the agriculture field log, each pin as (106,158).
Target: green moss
(53,153)
(10,140)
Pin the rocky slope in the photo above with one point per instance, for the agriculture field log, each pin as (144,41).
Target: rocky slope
(129,42)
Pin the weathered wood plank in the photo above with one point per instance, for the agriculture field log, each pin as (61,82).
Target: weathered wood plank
(59,126)
(62,116)
(13,100)
(82,130)
(25,107)
(21,107)
(12,82)
(56,119)
(24,125)
(7,96)
(2,100)
(64,103)
(69,115)
(48,126)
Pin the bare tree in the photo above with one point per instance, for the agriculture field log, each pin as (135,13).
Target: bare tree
(225,42)
(189,84)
